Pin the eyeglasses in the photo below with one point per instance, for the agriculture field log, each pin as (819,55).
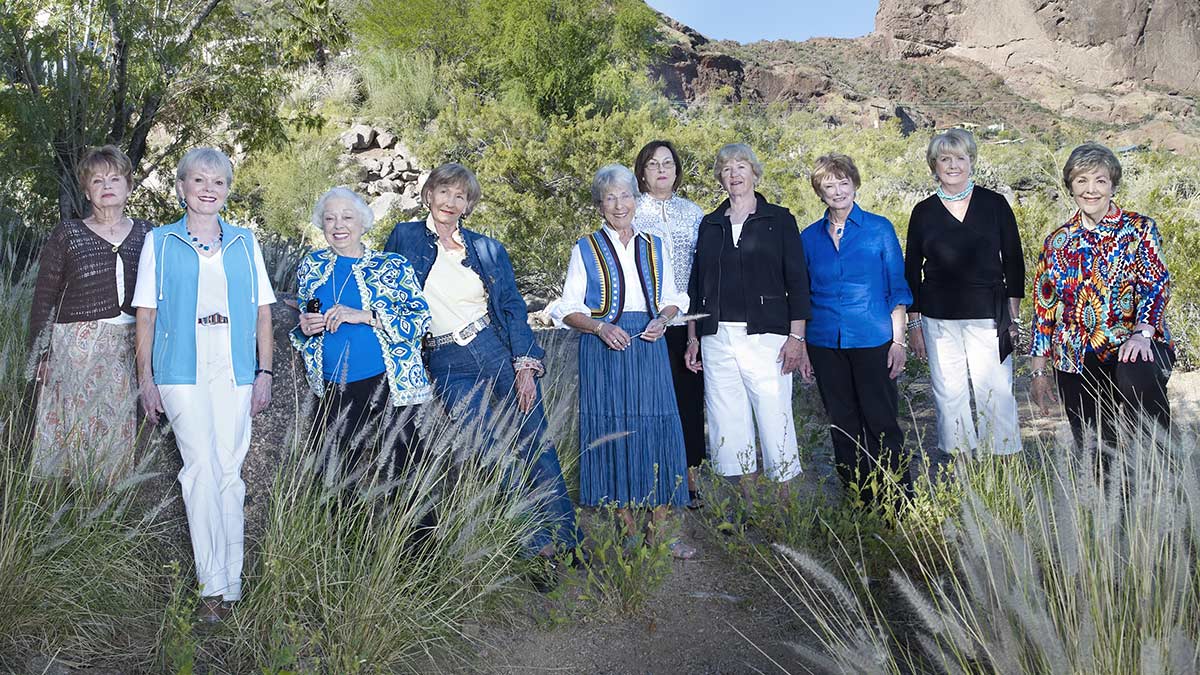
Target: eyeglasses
(665,165)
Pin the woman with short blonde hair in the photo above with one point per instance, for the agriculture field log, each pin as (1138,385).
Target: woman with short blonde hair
(966,269)
(482,355)
(854,343)
(204,356)
(749,277)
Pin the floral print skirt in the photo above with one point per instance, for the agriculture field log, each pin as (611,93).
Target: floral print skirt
(87,407)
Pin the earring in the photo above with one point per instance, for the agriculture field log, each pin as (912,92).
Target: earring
(182,204)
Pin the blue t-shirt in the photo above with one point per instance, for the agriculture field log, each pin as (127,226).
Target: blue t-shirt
(353,352)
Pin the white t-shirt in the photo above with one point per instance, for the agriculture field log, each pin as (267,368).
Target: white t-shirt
(212,293)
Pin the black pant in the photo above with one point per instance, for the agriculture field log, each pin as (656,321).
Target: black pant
(1108,392)
(689,396)
(863,404)
(359,415)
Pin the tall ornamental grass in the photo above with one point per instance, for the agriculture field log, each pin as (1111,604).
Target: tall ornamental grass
(79,577)
(1049,565)
(376,572)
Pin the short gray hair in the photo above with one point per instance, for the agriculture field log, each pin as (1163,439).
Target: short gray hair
(365,215)
(610,175)
(951,140)
(205,158)
(1089,157)
(737,152)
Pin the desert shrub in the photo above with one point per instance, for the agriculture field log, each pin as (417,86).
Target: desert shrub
(408,89)
(279,188)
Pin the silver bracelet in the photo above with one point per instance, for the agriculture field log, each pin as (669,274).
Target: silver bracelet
(799,338)
(915,323)
(1040,372)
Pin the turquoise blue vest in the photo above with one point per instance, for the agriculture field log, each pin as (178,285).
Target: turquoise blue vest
(605,296)
(177,274)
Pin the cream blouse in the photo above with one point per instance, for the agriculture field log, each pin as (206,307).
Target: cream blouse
(454,292)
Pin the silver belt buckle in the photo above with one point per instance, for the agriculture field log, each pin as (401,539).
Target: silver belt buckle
(460,336)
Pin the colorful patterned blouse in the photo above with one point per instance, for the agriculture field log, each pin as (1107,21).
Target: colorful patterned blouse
(1093,287)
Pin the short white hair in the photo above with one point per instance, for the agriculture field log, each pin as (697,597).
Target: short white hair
(610,175)
(205,158)
(365,215)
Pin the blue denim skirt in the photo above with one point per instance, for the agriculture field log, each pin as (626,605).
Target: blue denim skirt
(630,439)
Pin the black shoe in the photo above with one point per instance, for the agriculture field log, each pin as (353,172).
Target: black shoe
(694,502)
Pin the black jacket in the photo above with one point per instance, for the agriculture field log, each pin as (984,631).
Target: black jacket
(774,272)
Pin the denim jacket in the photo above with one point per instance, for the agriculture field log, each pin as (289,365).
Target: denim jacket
(387,286)
(488,259)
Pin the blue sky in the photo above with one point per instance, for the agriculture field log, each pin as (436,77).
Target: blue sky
(750,20)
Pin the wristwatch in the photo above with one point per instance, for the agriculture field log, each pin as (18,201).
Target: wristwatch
(1147,333)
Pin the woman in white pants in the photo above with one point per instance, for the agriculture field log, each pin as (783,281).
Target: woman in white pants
(965,267)
(204,358)
(749,276)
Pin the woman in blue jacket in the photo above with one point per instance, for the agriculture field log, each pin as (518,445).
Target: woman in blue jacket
(479,334)
(854,342)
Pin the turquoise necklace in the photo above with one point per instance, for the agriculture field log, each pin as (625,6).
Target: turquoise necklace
(202,246)
(957,197)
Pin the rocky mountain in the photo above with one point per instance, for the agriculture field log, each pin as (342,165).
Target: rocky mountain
(1128,71)
(1096,43)
(1123,62)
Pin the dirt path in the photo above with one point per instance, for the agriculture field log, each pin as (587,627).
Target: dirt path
(691,626)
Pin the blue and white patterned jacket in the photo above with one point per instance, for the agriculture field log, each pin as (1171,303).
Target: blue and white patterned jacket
(387,285)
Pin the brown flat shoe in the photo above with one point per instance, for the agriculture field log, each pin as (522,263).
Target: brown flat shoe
(212,610)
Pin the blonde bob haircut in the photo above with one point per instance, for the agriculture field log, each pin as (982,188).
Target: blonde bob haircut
(952,140)
(737,152)
(366,217)
(105,157)
(1091,156)
(836,165)
(210,159)
(453,174)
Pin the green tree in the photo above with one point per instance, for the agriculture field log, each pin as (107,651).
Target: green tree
(87,72)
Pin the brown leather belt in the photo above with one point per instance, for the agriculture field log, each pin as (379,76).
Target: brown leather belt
(213,320)
(462,336)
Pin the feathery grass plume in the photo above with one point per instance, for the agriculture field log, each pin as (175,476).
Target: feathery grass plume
(1052,564)
(79,559)
(380,572)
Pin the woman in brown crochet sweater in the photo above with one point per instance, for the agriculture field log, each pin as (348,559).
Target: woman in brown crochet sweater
(81,329)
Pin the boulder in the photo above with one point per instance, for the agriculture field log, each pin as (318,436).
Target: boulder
(385,139)
(359,137)
(390,203)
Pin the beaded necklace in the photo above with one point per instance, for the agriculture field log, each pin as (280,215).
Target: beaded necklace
(959,196)
(201,246)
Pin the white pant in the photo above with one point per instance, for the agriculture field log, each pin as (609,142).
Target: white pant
(211,420)
(742,384)
(962,352)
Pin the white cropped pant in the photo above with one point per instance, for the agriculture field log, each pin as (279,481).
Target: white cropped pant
(743,385)
(964,352)
(211,420)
